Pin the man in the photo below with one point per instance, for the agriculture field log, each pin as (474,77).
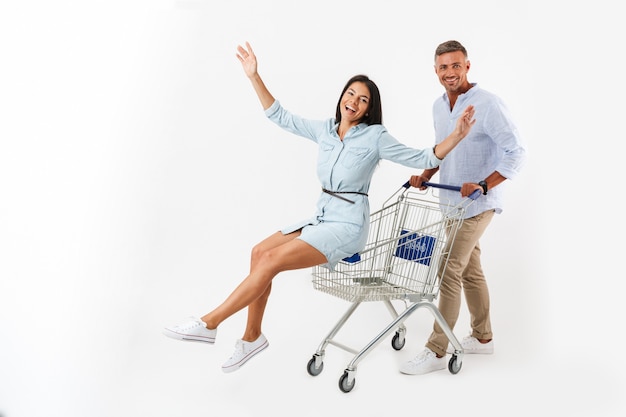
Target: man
(492,153)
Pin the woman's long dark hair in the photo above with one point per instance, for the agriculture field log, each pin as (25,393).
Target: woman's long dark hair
(374,113)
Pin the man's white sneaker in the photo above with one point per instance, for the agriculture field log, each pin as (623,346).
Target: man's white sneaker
(424,363)
(472,345)
(191,330)
(244,351)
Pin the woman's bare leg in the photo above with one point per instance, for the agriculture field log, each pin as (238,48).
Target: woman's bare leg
(256,309)
(276,254)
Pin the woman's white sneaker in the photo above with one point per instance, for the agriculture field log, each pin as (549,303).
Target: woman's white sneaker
(193,330)
(244,351)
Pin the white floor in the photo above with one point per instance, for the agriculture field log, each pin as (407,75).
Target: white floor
(118,363)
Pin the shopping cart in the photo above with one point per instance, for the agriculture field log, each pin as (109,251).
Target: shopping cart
(406,253)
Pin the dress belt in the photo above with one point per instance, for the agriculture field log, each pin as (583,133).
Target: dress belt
(336,194)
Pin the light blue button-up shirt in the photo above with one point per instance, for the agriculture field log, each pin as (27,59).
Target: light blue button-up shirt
(493,144)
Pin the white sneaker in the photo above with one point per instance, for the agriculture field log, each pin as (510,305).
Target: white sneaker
(424,363)
(472,345)
(244,351)
(191,330)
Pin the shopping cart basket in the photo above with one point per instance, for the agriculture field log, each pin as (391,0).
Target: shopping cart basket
(405,256)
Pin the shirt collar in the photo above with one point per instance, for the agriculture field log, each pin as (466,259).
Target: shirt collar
(469,93)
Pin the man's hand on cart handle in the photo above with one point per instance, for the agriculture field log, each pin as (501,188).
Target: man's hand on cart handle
(418,181)
(468,189)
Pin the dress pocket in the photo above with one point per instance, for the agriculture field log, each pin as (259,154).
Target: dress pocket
(324,152)
(353,156)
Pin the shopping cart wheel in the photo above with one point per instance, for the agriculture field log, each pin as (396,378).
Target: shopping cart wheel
(398,341)
(344,382)
(454,366)
(312,369)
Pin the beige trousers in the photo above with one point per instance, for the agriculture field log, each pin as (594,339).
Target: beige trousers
(464,273)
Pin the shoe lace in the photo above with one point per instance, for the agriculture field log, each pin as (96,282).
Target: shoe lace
(238,348)
(469,341)
(189,325)
(422,356)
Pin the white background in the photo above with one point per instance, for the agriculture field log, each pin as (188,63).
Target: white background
(137,170)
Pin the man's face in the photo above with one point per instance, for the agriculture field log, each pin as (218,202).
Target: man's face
(451,69)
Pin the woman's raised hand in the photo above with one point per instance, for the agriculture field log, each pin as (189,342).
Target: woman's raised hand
(248,62)
(465,122)
(248,59)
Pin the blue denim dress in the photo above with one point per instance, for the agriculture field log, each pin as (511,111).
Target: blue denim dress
(339,228)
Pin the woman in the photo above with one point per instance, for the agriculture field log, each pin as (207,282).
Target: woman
(350,147)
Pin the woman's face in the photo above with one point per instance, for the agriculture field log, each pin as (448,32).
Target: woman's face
(355,103)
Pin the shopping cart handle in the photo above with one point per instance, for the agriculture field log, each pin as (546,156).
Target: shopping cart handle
(444,186)
(473,196)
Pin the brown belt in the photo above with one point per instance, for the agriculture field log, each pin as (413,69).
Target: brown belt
(336,194)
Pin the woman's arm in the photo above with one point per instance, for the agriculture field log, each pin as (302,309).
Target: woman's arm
(249,64)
